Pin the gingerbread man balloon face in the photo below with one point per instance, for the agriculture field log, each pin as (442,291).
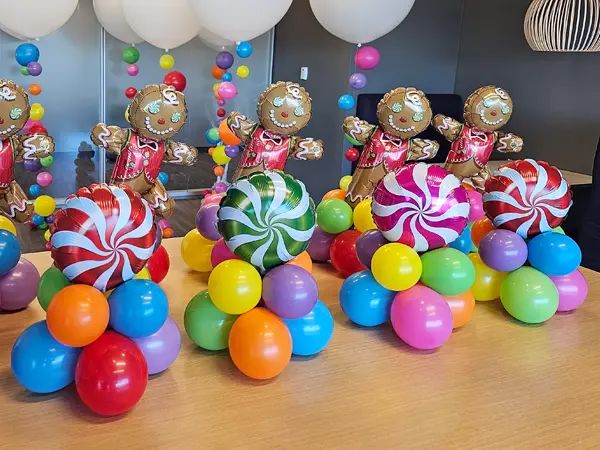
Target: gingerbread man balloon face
(158,112)
(404,112)
(14,108)
(284,108)
(488,108)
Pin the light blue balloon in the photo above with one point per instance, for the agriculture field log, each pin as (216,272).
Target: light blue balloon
(26,53)
(346,102)
(553,254)
(10,251)
(35,190)
(464,242)
(312,332)
(244,49)
(364,300)
(226,76)
(163,177)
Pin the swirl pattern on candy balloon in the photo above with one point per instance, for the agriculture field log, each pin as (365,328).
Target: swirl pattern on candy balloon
(267,218)
(422,206)
(103,236)
(528,197)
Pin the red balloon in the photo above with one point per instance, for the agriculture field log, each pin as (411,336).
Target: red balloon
(38,128)
(352,154)
(176,79)
(343,253)
(221,112)
(130,92)
(158,264)
(111,374)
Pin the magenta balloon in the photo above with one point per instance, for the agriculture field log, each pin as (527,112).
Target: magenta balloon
(289,291)
(572,290)
(421,317)
(44,179)
(161,348)
(220,187)
(18,287)
(367,244)
(476,205)
(227,90)
(206,221)
(318,247)
(367,58)
(503,250)
(220,253)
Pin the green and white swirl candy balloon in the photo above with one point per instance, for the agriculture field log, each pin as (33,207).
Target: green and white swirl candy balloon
(267,218)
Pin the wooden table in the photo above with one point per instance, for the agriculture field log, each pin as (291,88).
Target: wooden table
(495,383)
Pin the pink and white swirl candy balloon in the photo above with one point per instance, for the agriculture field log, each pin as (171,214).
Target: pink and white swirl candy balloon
(103,236)
(422,206)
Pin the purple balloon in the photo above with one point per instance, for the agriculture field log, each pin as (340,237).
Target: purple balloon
(18,287)
(318,247)
(232,151)
(161,348)
(367,244)
(289,291)
(32,165)
(206,222)
(358,80)
(572,290)
(224,60)
(34,68)
(503,250)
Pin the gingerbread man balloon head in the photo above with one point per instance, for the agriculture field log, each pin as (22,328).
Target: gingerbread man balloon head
(14,108)
(488,108)
(404,112)
(158,112)
(284,108)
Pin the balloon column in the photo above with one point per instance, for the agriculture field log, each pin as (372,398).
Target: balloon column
(266,221)
(105,329)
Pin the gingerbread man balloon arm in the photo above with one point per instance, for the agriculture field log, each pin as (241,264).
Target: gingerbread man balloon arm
(447,126)
(241,126)
(306,148)
(110,137)
(33,146)
(422,149)
(358,131)
(508,142)
(180,153)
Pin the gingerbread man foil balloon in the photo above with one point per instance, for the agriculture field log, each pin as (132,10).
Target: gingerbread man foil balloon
(486,110)
(284,108)
(403,113)
(156,114)
(14,113)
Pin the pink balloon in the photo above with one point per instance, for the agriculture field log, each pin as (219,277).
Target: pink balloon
(212,198)
(476,201)
(220,102)
(44,179)
(572,290)
(220,253)
(421,317)
(227,90)
(367,58)
(133,70)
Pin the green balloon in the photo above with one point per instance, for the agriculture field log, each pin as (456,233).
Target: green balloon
(24,71)
(47,161)
(447,271)
(558,229)
(528,295)
(213,134)
(207,325)
(51,281)
(334,216)
(130,55)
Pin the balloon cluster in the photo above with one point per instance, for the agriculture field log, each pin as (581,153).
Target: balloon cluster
(365,58)
(130,56)
(28,55)
(265,221)
(107,326)
(43,208)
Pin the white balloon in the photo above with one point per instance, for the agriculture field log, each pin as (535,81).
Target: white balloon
(35,18)
(213,40)
(239,20)
(12,33)
(360,21)
(111,16)
(166,24)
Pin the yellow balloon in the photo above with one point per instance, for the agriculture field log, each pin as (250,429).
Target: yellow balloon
(396,267)
(362,217)
(37,111)
(6,224)
(235,286)
(143,274)
(44,205)
(196,250)
(487,280)
(216,87)
(166,61)
(47,235)
(345,182)
(243,71)
(219,156)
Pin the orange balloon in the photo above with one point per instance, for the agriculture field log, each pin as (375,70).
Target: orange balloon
(480,228)
(335,193)
(260,344)
(218,171)
(462,307)
(35,89)
(78,315)
(227,136)
(217,72)
(302,260)
(167,232)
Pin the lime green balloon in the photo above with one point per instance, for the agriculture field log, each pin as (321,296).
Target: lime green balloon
(447,271)
(207,325)
(528,295)
(334,216)
(24,71)
(558,229)
(47,161)
(130,55)
(51,281)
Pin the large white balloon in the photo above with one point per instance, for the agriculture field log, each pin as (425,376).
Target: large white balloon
(35,18)
(214,41)
(111,16)
(360,21)
(165,24)
(12,33)
(239,20)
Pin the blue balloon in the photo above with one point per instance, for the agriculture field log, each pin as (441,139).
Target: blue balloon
(138,308)
(163,177)
(346,102)
(244,49)
(464,243)
(35,190)
(26,53)
(40,363)
(10,251)
(226,76)
(211,138)
(553,253)
(364,300)
(37,220)
(312,332)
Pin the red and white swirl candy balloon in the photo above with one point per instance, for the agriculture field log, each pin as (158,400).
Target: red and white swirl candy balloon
(422,206)
(103,236)
(528,197)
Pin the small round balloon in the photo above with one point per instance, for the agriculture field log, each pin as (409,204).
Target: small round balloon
(244,49)
(224,60)
(205,324)
(554,253)
(26,53)
(487,280)
(289,291)
(161,348)
(346,102)
(166,61)
(529,296)
(503,250)
(334,215)
(366,302)
(343,255)
(357,80)
(312,332)
(367,57)
(447,271)
(396,267)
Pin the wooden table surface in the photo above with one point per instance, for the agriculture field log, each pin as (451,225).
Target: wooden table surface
(495,383)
